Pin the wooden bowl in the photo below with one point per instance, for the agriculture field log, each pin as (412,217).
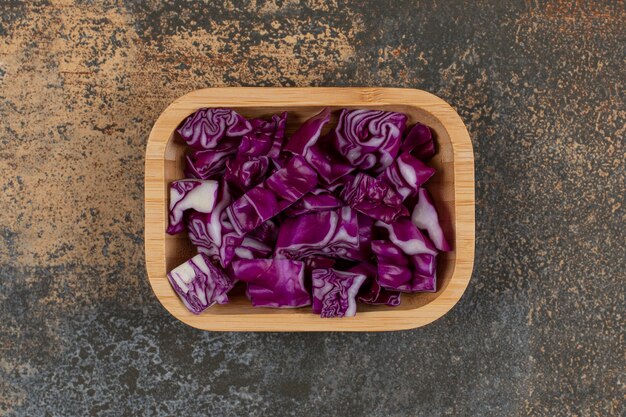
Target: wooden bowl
(452,189)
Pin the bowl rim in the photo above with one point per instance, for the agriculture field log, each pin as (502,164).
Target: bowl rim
(385,320)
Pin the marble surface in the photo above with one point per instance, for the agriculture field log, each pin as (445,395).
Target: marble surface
(540,330)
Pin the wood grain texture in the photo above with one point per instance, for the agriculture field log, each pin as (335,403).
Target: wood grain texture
(452,189)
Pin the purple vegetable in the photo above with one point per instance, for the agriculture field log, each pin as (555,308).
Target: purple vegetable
(230,246)
(329,233)
(419,142)
(393,265)
(364,251)
(266,232)
(318,199)
(369,139)
(207,127)
(265,138)
(371,292)
(273,282)
(405,235)
(244,172)
(278,192)
(425,272)
(198,195)
(214,235)
(327,162)
(318,262)
(425,217)
(377,295)
(406,174)
(334,292)
(199,284)
(374,198)
(250,248)
(337,186)
(308,133)
(319,154)
(401,272)
(210,163)
(332,205)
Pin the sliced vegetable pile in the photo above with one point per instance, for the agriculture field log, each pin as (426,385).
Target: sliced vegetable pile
(323,220)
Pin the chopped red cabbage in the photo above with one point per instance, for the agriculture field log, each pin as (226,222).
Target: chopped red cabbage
(318,262)
(401,272)
(334,292)
(328,233)
(374,198)
(210,163)
(405,235)
(318,199)
(266,232)
(278,192)
(265,138)
(419,142)
(200,284)
(406,174)
(308,133)
(426,218)
(207,127)
(332,207)
(369,139)
(198,195)
(371,292)
(273,282)
(244,172)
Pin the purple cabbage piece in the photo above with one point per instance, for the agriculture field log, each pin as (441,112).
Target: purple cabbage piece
(318,262)
(292,182)
(207,127)
(424,272)
(406,174)
(278,192)
(374,198)
(401,272)
(328,233)
(273,282)
(363,252)
(200,284)
(198,195)
(318,199)
(206,231)
(369,139)
(265,138)
(266,232)
(371,292)
(334,292)
(377,295)
(252,248)
(231,246)
(308,133)
(394,270)
(327,162)
(213,234)
(258,151)
(337,186)
(405,235)
(244,172)
(210,163)
(419,142)
(321,156)
(425,217)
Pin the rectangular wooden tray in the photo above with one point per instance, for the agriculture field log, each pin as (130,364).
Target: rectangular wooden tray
(452,189)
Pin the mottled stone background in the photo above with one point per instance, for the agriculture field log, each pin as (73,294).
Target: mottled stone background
(541,328)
